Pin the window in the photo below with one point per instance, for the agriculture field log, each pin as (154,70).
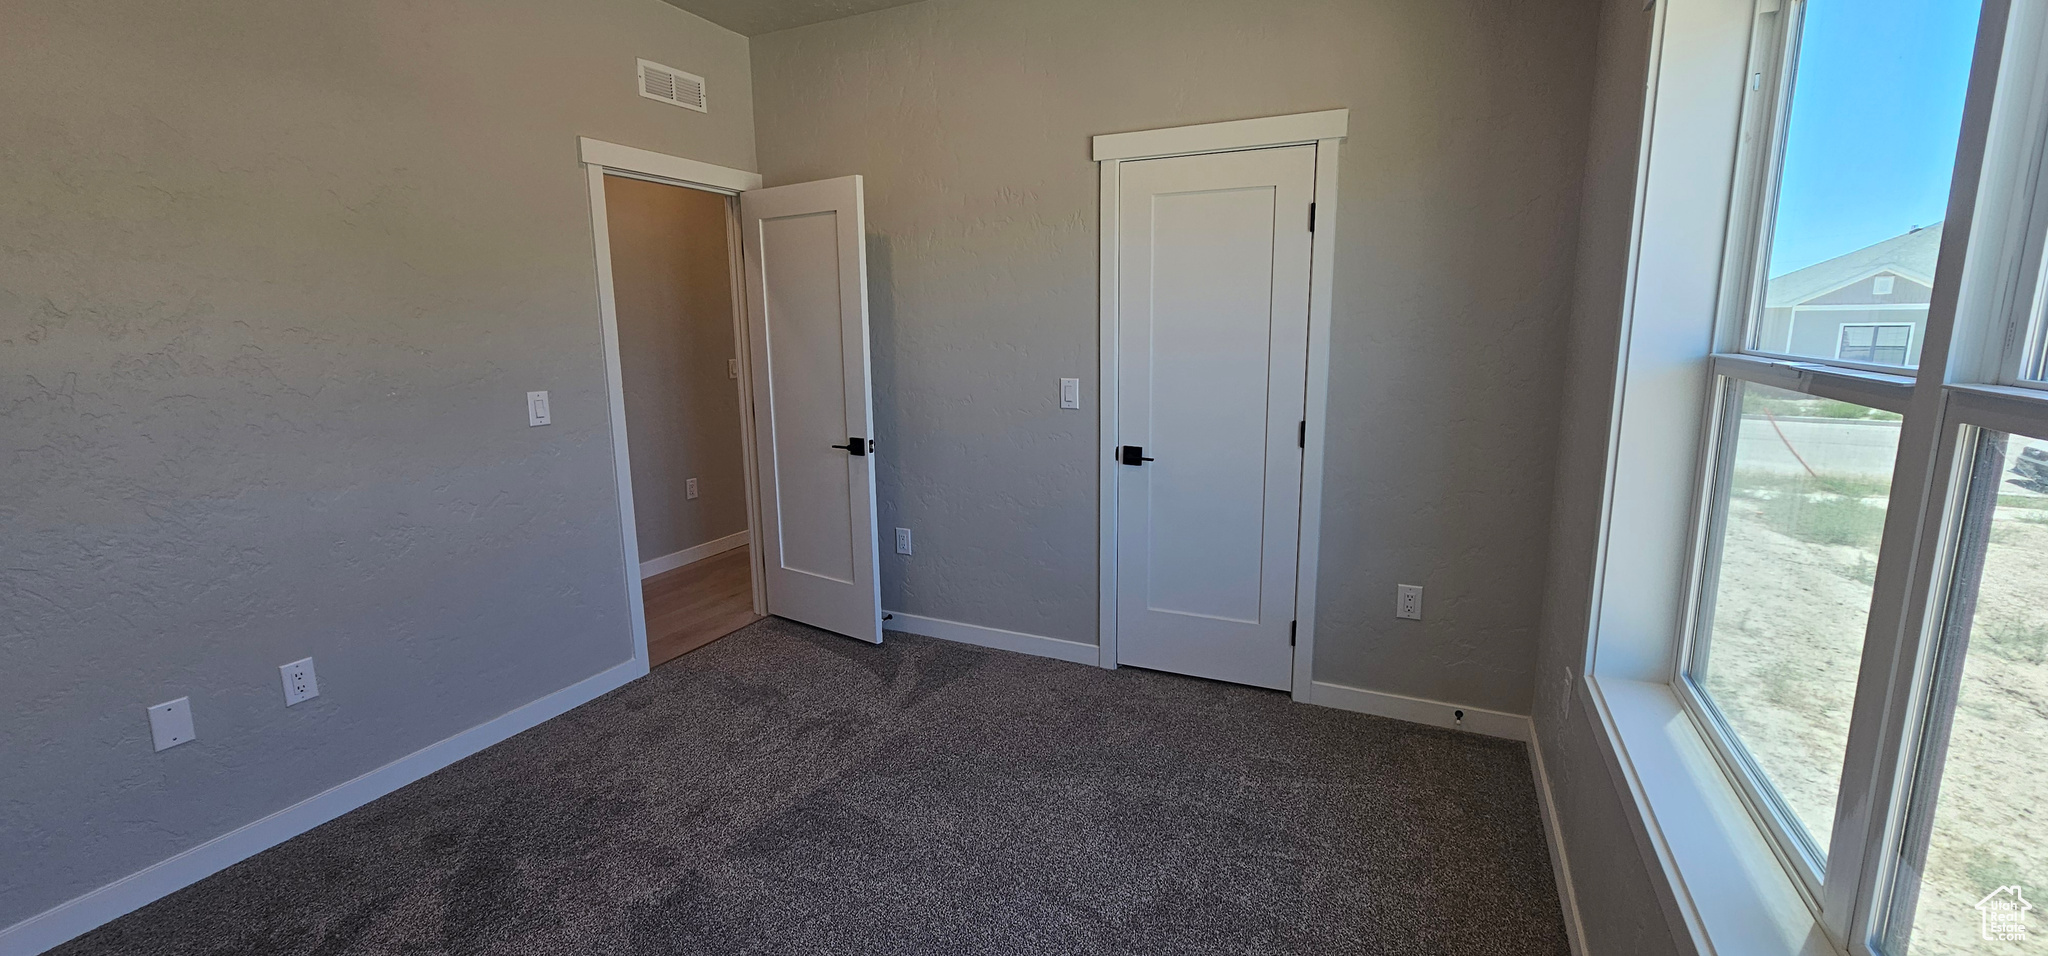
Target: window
(1972,828)
(1862,536)
(1853,129)
(1799,515)
(1875,344)
(1851,170)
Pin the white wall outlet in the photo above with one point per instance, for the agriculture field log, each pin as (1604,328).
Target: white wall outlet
(1408,601)
(299,683)
(1070,393)
(689,487)
(170,723)
(732,368)
(537,412)
(902,540)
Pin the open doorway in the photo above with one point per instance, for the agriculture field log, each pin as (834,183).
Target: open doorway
(673,290)
(804,407)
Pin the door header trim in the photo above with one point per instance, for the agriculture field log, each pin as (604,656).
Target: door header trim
(1218,137)
(630,159)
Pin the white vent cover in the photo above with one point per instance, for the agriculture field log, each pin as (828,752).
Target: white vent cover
(672,86)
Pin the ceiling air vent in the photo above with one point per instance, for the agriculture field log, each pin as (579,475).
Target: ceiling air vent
(672,86)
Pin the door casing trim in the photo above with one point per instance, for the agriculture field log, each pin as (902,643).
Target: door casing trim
(599,160)
(1326,130)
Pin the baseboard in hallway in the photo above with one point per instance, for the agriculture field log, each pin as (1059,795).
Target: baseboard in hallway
(691,555)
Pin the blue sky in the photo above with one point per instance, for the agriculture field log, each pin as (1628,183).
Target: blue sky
(1875,113)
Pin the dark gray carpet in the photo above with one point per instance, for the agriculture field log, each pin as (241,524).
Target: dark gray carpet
(786,791)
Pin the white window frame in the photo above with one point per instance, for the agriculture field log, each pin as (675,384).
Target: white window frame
(1728,881)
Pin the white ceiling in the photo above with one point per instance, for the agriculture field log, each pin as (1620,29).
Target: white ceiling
(755,17)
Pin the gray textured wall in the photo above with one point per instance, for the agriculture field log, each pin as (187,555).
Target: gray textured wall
(1611,875)
(971,120)
(672,278)
(274,280)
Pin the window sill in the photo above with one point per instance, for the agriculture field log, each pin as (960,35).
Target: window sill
(1887,390)
(2008,408)
(1725,884)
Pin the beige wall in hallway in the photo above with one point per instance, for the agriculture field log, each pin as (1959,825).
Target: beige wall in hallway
(672,274)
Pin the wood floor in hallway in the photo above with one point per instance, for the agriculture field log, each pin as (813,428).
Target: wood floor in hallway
(696,604)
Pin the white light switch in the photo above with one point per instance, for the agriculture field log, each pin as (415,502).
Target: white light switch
(537,409)
(170,723)
(1070,393)
(902,540)
(732,368)
(690,488)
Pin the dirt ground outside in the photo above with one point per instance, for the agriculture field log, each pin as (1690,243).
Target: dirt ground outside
(1798,559)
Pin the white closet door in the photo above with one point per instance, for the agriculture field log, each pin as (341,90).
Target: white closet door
(807,312)
(1212,313)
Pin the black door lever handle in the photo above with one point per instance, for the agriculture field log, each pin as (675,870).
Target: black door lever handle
(1133,455)
(854,446)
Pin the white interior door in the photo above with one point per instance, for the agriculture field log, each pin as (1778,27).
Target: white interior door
(1212,346)
(807,315)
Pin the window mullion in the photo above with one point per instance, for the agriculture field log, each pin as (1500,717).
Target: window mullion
(1907,596)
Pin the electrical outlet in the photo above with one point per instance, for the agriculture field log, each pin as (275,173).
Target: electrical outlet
(902,540)
(1070,393)
(299,683)
(170,723)
(1408,601)
(732,368)
(537,411)
(690,488)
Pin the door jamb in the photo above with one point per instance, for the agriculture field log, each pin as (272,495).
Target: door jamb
(599,159)
(1326,131)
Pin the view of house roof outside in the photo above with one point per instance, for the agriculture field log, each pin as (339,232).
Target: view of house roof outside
(1876,111)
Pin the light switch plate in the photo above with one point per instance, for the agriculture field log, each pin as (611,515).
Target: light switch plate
(1070,393)
(170,723)
(732,368)
(537,411)
(689,487)
(902,540)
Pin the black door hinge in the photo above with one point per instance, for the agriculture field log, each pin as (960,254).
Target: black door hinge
(1301,439)
(1292,626)
(1311,217)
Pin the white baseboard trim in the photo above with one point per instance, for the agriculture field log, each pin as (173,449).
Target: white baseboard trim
(129,893)
(692,555)
(1002,640)
(1416,710)
(1560,863)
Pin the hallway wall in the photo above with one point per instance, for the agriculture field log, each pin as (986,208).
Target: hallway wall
(672,276)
